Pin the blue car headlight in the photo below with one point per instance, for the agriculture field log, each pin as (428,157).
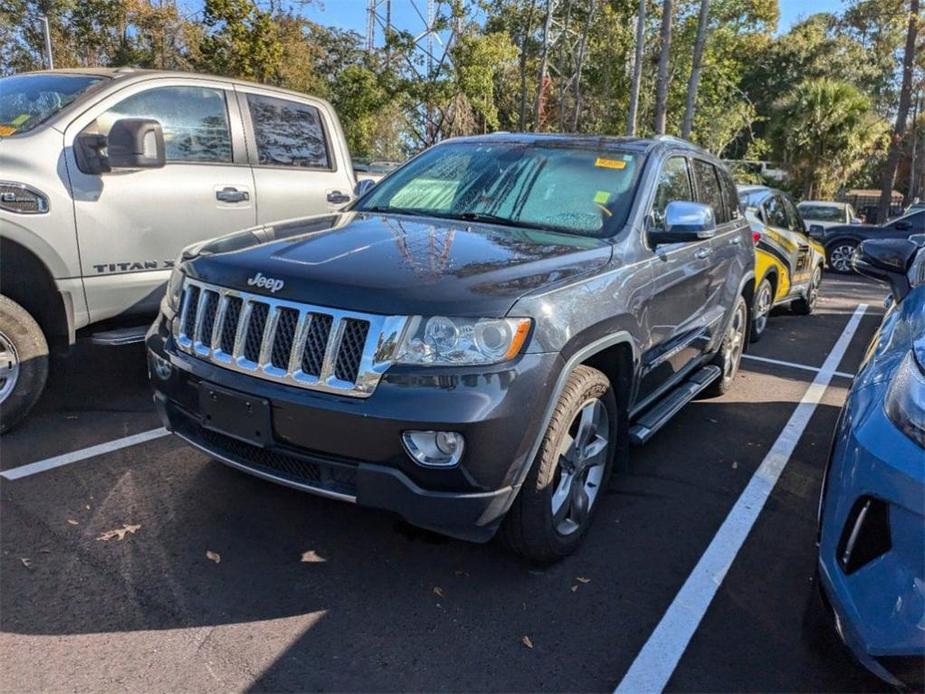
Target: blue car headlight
(905,398)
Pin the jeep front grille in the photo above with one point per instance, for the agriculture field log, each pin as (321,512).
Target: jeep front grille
(311,347)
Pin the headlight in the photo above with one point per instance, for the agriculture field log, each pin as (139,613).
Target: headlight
(171,303)
(442,341)
(905,398)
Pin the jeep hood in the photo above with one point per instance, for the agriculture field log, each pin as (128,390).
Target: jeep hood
(396,264)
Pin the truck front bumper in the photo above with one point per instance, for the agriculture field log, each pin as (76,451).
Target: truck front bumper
(351,449)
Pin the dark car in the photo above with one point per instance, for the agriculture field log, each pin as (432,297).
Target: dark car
(841,242)
(476,341)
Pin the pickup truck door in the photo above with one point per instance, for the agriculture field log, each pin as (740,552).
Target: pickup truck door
(680,289)
(298,153)
(132,224)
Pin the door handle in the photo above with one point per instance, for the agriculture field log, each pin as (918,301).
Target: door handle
(703,253)
(230,194)
(335,197)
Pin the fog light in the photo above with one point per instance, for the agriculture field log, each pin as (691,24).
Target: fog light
(434,448)
(160,366)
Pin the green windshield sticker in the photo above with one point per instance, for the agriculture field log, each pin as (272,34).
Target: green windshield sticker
(20,119)
(601,197)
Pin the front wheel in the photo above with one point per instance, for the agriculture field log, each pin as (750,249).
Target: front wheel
(23,363)
(555,506)
(807,304)
(841,254)
(730,354)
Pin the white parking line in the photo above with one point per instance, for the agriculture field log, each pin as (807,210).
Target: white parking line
(793,365)
(660,655)
(84,453)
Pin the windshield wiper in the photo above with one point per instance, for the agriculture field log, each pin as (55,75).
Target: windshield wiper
(502,221)
(397,210)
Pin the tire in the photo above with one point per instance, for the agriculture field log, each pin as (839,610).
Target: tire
(761,309)
(730,354)
(556,504)
(23,363)
(806,305)
(839,255)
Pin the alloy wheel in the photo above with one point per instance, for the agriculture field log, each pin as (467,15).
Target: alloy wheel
(734,344)
(582,461)
(9,367)
(841,256)
(812,294)
(762,308)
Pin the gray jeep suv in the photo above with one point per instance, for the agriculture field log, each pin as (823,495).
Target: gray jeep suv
(476,341)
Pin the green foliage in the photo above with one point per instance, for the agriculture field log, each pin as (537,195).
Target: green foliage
(240,40)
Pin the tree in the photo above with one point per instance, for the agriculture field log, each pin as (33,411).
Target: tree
(637,68)
(541,82)
(902,113)
(661,85)
(240,40)
(692,84)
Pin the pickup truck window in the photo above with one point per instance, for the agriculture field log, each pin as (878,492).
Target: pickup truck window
(27,101)
(674,183)
(288,133)
(194,121)
(709,189)
(573,189)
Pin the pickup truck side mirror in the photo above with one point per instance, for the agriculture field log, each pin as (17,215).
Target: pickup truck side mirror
(364,185)
(132,143)
(684,222)
(887,260)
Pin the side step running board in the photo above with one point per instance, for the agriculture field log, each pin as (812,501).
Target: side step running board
(653,420)
(120,336)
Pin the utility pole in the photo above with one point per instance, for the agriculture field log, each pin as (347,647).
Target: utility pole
(49,60)
(913,188)
(661,86)
(688,124)
(637,69)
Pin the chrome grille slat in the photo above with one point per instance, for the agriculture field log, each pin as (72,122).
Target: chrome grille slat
(311,347)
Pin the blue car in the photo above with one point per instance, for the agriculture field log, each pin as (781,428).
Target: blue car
(872,510)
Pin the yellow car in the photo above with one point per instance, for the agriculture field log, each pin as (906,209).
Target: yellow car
(788,264)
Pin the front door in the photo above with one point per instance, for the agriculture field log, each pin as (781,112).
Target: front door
(132,224)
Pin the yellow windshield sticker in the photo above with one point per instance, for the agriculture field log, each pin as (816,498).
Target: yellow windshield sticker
(610,163)
(601,197)
(6,130)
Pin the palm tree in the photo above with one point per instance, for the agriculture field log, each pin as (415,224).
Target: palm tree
(661,87)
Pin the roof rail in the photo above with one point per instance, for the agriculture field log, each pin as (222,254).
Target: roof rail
(675,140)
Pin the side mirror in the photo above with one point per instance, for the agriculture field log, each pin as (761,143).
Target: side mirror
(685,222)
(364,185)
(816,231)
(887,260)
(136,143)
(902,225)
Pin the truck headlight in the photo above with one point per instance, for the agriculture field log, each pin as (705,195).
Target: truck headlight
(442,341)
(905,398)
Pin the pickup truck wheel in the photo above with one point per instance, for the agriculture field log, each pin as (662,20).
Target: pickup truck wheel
(730,354)
(23,363)
(841,254)
(806,305)
(557,501)
(761,309)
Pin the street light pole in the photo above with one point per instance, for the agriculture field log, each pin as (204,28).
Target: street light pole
(47,31)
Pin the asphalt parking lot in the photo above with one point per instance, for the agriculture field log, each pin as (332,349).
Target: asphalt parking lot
(222,581)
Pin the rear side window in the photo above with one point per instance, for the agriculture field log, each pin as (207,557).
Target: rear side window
(794,221)
(674,183)
(709,189)
(194,121)
(288,133)
(729,194)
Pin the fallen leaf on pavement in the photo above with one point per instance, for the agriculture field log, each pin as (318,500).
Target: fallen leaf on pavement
(26,562)
(213,556)
(72,521)
(527,642)
(312,557)
(582,579)
(119,533)
(438,591)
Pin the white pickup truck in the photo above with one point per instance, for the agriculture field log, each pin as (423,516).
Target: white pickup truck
(106,174)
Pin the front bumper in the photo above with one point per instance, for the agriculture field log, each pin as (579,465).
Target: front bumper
(875,583)
(350,449)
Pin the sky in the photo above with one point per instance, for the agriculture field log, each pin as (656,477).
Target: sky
(351,14)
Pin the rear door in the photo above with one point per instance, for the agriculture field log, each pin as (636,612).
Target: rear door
(132,224)
(298,154)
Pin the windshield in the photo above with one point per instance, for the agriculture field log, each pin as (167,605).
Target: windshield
(571,188)
(822,213)
(26,101)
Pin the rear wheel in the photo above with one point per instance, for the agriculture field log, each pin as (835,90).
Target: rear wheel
(555,506)
(23,363)
(730,354)
(761,309)
(841,254)
(807,304)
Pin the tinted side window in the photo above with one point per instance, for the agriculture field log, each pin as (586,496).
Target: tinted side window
(729,194)
(194,121)
(288,133)
(774,212)
(709,189)
(674,183)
